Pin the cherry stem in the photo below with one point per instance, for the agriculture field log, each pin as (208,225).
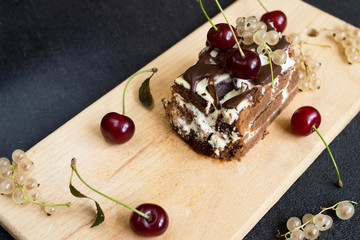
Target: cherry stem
(271,68)
(231,29)
(202,8)
(73,166)
(262,5)
(332,158)
(310,220)
(153,70)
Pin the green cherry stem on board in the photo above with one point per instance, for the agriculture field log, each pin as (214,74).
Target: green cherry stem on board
(127,84)
(73,166)
(340,183)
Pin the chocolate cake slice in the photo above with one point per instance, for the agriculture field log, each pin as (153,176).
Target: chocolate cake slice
(222,116)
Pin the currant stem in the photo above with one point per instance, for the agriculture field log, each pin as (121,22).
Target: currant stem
(303,59)
(153,70)
(328,29)
(262,5)
(73,166)
(212,24)
(332,158)
(271,68)
(27,198)
(315,44)
(231,29)
(322,210)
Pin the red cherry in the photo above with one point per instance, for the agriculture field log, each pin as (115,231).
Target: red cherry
(278,18)
(303,120)
(223,38)
(155,226)
(117,128)
(247,67)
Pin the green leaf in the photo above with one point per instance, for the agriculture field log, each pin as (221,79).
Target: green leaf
(145,96)
(100,217)
(76,192)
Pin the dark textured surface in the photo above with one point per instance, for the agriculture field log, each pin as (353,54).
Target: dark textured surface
(58,57)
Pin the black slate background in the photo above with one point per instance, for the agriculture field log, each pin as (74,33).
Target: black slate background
(58,57)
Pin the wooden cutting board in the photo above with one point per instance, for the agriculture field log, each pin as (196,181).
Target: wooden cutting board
(205,198)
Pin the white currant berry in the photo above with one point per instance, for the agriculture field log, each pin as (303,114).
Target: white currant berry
(293,38)
(297,234)
(301,74)
(307,217)
(261,26)
(314,83)
(347,43)
(279,57)
(346,28)
(356,43)
(350,50)
(297,60)
(312,64)
(251,23)
(311,231)
(30,183)
(240,21)
(355,33)
(248,37)
(240,30)
(259,37)
(6,171)
(308,53)
(345,210)
(26,165)
(4,161)
(339,36)
(50,210)
(303,85)
(34,194)
(353,58)
(261,50)
(17,155)
(7,186)
(18,196)
(311,74)
(293,223)
(272,37)
(19,177)
(323,222)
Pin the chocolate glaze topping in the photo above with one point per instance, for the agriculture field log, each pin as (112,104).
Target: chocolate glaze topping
(209,67)
(234,102)
(264,76)
(283,44)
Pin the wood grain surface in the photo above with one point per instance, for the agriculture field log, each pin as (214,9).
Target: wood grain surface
(205,198)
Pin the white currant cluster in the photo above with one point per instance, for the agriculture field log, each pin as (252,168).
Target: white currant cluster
(15,180)
(251,31)
(305,64)
(310,226)
(349,38)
